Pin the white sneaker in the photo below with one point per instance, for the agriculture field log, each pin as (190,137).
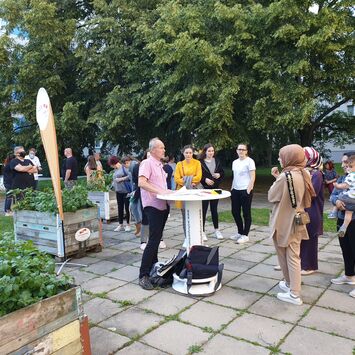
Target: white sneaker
(118,228)
(342,280)
(218,234)
(127,228)
(277,268)
(142,246)
(162,244)
(283,286)
(290,298)
(9,214)
(352,293)
(307,272)
(243,239)
(235,237)
(204,237)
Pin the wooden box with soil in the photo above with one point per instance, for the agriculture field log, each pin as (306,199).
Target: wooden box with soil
(107,203)
(46,232)
(55,325)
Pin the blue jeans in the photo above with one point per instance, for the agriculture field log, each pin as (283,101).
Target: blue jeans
(136,210)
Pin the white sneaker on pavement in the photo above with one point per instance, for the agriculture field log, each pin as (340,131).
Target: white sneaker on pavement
(277,268)
(290,298)
(283,286)
(142,246)
(127,229)
(235,236)
(204,237)
(162,244)
(118,228)
(352,293)
(243,239)
(307,272)
(218,234)
(343,280)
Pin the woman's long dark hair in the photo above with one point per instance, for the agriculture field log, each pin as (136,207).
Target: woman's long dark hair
(8,158)
(204,150)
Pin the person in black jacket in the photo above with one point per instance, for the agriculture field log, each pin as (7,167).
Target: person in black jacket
(8,175)
(212,176)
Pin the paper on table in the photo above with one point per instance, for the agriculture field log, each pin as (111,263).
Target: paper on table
(184,191)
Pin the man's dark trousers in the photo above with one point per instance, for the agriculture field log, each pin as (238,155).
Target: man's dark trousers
(156,221)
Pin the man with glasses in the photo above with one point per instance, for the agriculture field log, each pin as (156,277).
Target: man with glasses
(347,244)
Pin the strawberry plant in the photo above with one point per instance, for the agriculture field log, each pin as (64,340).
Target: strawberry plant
(27,275)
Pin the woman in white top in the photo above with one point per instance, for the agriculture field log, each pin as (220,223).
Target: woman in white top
(242,192)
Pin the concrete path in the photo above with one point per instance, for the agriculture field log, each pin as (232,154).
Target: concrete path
(244,317)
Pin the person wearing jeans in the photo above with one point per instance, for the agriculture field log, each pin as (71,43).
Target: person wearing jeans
(242,192)
(152,181)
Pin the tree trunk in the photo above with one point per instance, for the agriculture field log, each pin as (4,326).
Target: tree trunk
(306,135)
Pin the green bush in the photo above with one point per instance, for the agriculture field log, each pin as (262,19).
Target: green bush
(44,201)
(101,181)
(27,275)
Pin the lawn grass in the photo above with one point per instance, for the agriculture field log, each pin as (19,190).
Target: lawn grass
(260,217)
(6,224)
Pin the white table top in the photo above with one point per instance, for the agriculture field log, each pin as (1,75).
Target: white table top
(193,195)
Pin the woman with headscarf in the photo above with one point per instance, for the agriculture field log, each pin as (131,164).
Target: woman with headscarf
(286,234)
(309,248)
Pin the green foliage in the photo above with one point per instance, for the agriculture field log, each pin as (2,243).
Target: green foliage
(26,275)
(44,201)
(101,181)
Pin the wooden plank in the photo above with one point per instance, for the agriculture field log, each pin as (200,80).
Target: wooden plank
(24,325)
(58,341)
(71,349)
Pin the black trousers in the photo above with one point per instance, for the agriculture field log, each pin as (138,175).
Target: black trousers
(156,221)
(241,200)
(347,245)
(214,213)
(123,205)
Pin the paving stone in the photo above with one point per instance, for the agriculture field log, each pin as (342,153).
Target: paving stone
(103,267)
(330,321)
(253,283)
(330,268)
(80,276)
(272,307)
(228,276)
(230,297)
(99,309)
(86,260)
(309,293)
(130,292)
(101,284)
(225,251)
(234,264)
(132,322)
(107,253)
(271,260)
(304,341)
(265,271)
(111,343)
(126,273)
(337,300)
(342,288)
(139,348)
(264,331)
(126,258)
(317,279)
(330,257)
(167,303)
(221,344)
(205,314)
(128,245)
(175,337)
(250,256)
(261,248)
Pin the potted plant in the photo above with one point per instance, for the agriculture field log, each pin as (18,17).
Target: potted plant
(101,194)
(39,312)
(36,218)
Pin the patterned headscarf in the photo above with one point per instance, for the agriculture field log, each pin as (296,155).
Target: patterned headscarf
(293,158)
(314,160)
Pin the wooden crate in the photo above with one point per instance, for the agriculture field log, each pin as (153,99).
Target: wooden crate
(55,325)
(107,203)
(45,230)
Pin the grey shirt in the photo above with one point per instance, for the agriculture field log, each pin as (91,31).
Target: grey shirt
(121,186)
(211,165)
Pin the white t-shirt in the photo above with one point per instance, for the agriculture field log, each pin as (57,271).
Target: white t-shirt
(35,161)
(350,180)
(241,173)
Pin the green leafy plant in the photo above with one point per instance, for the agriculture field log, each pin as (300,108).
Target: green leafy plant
(27,275)
(100,181)
(44,201)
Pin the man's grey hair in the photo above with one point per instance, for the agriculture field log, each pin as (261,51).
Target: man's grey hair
(152,143)
(17,148)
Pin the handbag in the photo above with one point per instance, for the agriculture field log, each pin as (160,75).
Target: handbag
(127,184)
(301,217)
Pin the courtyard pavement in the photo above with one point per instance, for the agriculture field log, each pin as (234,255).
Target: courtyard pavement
(244,317)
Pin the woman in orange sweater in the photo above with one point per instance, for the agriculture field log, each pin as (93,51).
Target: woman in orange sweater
(188,173)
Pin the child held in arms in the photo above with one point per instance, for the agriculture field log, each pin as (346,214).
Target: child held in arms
(347,196)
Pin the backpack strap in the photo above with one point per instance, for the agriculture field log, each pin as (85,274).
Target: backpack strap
(211,255)
(219,277)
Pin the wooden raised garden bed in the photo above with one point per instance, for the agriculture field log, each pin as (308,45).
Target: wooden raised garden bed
(107,203)
(55,325)
(45,230)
